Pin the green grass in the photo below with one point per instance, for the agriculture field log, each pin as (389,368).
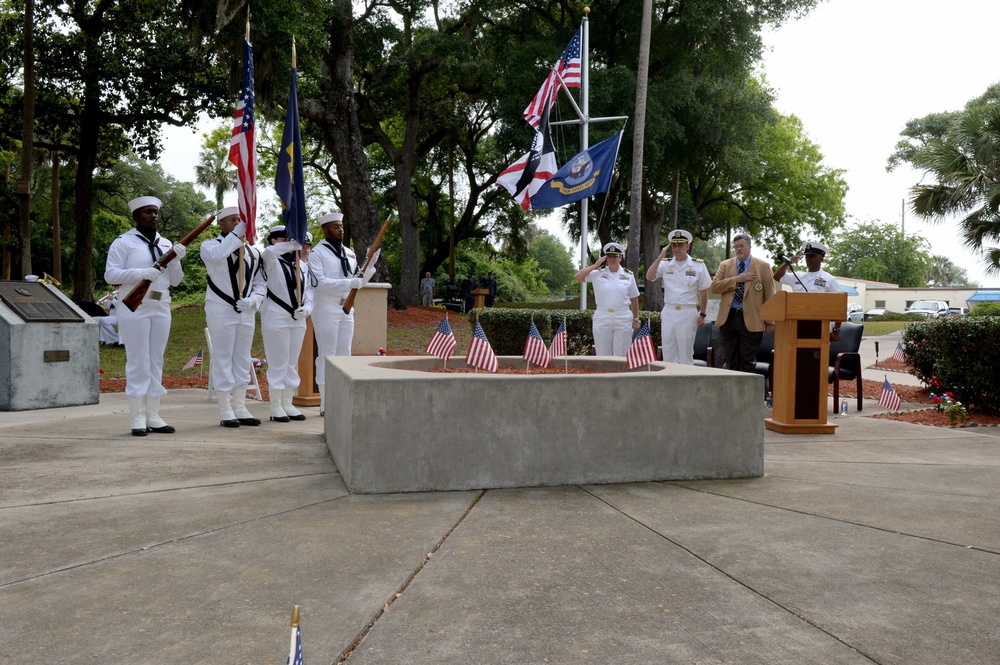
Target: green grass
(879,328)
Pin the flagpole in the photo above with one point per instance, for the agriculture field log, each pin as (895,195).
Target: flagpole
(242,257)
(584,143)
(295,625)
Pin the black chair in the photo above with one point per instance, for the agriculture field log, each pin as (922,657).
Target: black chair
(703,354)
(845,360)
(765,359)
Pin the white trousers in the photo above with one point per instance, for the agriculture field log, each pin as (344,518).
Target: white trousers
(677,330)
(282,345)
(232,335)
(107,332)
(144,333)
(613,332)
(334,334)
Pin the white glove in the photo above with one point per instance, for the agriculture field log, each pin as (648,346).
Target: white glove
(301,313)
(180,250)
(240,230)
(150,273)
(244,305)
(367,277)
(356,283)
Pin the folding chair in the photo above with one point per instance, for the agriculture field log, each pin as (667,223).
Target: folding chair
(252,385)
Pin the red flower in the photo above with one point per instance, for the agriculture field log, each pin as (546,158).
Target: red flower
(935,400)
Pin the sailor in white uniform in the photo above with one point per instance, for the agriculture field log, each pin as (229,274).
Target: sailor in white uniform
(144,332)
(230,313)
(814,280)
(616,299)
(685,296)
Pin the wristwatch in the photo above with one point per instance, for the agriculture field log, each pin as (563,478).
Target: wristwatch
(701,313)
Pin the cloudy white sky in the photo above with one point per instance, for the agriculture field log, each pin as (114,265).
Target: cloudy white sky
(854,71)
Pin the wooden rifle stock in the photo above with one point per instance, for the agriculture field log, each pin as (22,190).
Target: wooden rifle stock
(349,303)
(135,296)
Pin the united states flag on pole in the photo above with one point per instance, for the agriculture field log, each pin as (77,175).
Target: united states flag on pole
(480,352)
(443,341)
(641,351)
(295,648)
(558,347)
(898,353)
(194,361)
(889,399)
(534,348)
(527,175)
(567,67)
(242,151)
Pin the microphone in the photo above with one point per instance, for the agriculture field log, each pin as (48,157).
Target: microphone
(783,258)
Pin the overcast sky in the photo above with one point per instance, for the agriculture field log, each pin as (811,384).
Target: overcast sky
(854,72)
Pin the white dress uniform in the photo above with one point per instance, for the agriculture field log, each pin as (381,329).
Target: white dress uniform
(613,293)
(283,325)
(232,325)
(333,269)
(815,282)
(682,282)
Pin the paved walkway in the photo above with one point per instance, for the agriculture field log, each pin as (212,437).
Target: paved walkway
(879,544)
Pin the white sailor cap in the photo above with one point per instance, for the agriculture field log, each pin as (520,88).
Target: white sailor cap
(812,247)
(277,231)
(613,249)
(680,235)
(228,212)
(309,237)
(143,201)
(331,217)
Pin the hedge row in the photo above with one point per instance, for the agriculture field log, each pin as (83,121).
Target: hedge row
(963,353)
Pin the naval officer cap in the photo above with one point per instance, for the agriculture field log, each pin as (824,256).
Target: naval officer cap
(680,235)
(816,248)
(228,212)
(331,217)
(143,201)
(613,249)
(309,237)
(277,231)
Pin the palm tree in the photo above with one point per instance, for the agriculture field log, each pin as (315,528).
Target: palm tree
(214,170)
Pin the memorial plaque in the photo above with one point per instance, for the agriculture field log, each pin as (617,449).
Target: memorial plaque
(34,302)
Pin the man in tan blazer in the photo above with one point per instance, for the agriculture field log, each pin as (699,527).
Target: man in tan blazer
(745,283)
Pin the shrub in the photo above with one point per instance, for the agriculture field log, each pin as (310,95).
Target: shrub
(985,309)
(901,316)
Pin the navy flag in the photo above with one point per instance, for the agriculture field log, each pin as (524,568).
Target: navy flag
(588,173)
(289,181)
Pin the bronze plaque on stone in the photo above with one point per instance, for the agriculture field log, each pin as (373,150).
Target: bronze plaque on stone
(34,302)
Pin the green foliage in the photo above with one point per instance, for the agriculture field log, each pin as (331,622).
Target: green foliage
(880,253)
(902,316)
(961,353)
(555,262)
(985,309)
(942,271)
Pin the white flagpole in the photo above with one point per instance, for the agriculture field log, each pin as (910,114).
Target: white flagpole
(584,143)
(295,626)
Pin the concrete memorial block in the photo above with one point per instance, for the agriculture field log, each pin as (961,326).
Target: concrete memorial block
(392,426)
(48,349)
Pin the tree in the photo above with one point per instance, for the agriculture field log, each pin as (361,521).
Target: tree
(555,262)
(880,253)
(214,170)
(942,272)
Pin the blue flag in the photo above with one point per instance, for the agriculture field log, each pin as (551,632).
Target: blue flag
(289,181)
(588,173)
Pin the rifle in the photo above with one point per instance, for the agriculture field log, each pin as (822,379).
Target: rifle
(135,296)
(349,303)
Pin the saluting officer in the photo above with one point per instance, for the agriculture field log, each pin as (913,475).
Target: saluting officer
(335,267)
(231,314)
(283,320)
(616,297)
(815,280)
(145,331)
(685,297)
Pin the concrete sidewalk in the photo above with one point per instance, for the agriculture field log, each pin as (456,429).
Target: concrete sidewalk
(879,544)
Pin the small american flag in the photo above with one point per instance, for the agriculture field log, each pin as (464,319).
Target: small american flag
(194,361)
(443,342)
(295,648)
(480,352)
(559,341)
(889,399)
(534,348)
(641,351)
(242,151)
(898,353)
(568,67)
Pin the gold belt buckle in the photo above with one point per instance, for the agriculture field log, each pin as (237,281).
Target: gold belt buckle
(677,306)
(611,309)
(156,295)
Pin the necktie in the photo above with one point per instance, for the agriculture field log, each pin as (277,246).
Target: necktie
(738,296)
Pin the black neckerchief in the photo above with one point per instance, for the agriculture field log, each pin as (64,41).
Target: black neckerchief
(338,251)
(149,237)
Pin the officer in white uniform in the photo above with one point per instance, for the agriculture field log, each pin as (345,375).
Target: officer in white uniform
(231,314)
(685,297)
(815,279)
(616,298)
(335,268)
(107,326)
(283,320)
(144,332)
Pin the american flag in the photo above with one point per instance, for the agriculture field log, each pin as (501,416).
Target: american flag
(889,399)
(898,353)
(641,351)
(568,66)
(443,341)
(534,348)
(559,341)
(527,175)
(295,648)
(194,361)
(242,151)
(480,352)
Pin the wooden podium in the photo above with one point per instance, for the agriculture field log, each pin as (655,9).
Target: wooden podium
(801,359)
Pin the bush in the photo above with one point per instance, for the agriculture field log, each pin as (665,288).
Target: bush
(962,354)
(901,316)
(985,309)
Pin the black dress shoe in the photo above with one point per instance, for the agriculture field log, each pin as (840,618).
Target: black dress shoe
(139,432)
(298,417)
(230,423)
(279,419)
(252,422)
(166,429)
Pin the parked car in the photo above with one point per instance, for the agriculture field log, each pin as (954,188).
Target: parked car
(855,313)
(874,313)
(932,309)
(958,311)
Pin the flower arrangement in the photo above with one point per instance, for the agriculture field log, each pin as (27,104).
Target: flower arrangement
(945,401)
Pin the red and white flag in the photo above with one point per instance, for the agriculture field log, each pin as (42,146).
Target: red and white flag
(898,353)
(641,351)
(534,348)
(480,352)
(242,149)
(526,176)
(443,342)
(558,347)
(568,67)
(194,361)
(889,398)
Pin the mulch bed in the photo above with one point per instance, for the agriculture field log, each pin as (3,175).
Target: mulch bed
(519,370)
(940,418)
(416,316)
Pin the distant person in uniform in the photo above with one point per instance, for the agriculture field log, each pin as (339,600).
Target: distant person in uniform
(685,297)
(616,299)
(468,286)
(490,285)
(428,289)
(145,331)
(107,325)
(745,283)
(815,280)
